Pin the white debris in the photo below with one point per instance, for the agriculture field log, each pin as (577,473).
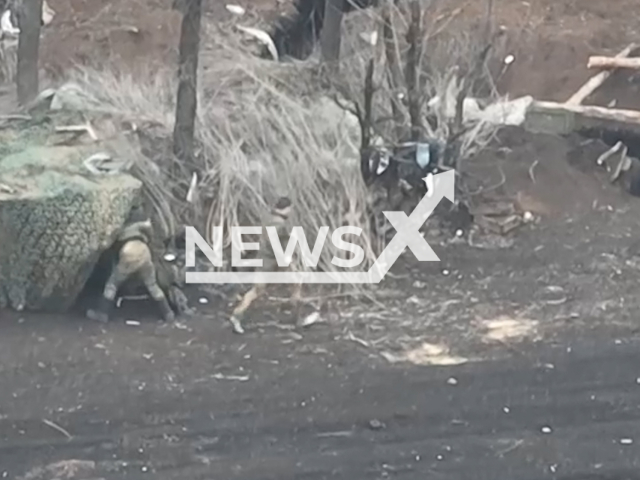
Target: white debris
(509,59)
(310,319)
(428,180)
(236,9)
(203,300)
(546,429)
(452,381)
(527,217)
(47,13)
(506,409)
(445,272)
(192,187)
(6,27)
(370,37)
(459,232)
(102,163)
(169,257)
(626,441)
(262,37)
(132,323)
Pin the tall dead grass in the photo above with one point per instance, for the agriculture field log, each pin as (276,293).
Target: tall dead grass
(259,137)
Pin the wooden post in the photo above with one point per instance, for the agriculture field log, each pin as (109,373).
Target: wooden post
(331,33)
(187,99)
(600,113)
(29,19)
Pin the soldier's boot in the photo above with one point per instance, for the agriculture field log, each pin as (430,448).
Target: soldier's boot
(108,299)
(159,297)
(102,313)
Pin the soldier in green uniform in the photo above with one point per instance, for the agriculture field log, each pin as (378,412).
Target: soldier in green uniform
(134,258)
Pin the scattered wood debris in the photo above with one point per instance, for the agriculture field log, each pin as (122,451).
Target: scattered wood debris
(597,80)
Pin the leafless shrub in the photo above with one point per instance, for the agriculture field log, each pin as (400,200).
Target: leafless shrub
(424,72)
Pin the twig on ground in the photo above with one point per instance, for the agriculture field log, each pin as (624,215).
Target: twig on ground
(56,427)
(532,175)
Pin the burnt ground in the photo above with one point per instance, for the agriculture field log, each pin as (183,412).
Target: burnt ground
(541,324)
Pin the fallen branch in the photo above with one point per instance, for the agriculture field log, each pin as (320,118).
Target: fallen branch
(613,62)
(594,82)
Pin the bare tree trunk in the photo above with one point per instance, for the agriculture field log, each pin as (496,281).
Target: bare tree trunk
(414,38)
(29,19)
(331,34)
(187,101)
(394,72)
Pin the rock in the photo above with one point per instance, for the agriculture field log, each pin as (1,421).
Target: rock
(56,219)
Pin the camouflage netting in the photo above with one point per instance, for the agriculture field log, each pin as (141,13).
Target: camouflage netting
(56,218)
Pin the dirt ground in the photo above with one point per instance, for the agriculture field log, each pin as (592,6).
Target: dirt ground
(551,40)
(126,396)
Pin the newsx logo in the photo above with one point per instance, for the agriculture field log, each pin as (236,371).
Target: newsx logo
(408,235)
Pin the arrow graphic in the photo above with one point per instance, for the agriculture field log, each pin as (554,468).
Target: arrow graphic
(407,235)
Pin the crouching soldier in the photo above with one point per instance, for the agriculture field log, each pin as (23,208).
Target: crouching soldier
(134,261)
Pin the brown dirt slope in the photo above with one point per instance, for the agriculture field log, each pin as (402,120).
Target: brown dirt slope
(551,39)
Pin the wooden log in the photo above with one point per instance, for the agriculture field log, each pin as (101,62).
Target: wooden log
(602,113)
(613,62)
(597,80)
(561,119)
